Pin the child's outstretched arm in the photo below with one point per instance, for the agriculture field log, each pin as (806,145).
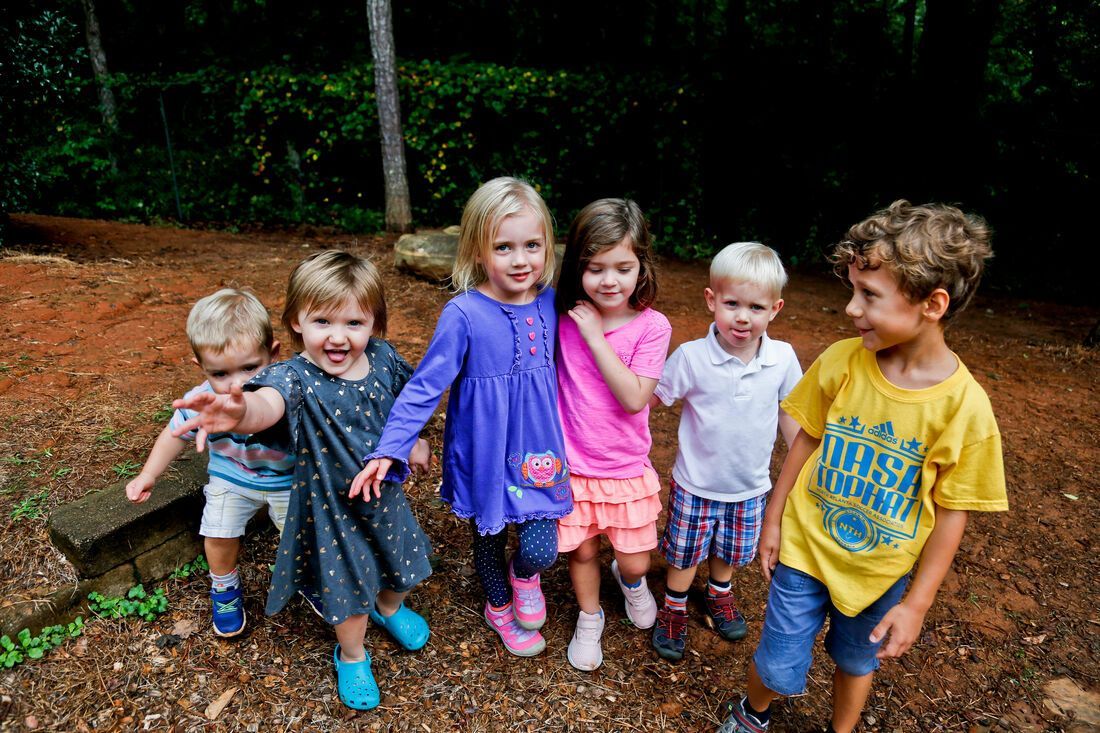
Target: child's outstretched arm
(632,391)
(374,473)
(236,412)
(802,447)
(165,450)
(903,622)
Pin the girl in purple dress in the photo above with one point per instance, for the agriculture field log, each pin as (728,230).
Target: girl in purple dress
(503,452)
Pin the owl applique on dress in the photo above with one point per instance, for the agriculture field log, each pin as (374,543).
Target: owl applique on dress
(541,468)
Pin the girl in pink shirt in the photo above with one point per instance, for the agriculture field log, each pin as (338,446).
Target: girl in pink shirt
(611,349)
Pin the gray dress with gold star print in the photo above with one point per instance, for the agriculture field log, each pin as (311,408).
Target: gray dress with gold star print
(346,550)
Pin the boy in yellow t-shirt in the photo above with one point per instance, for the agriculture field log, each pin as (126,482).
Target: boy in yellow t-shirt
(897,444)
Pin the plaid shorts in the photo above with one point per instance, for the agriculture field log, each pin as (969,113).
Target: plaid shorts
(699,527)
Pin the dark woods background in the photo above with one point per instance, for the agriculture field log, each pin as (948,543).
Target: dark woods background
(778,120)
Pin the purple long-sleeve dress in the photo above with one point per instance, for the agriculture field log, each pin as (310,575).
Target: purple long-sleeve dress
(503,452)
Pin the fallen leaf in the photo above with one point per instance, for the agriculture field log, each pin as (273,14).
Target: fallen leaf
(214,709)
(1034,640)
(31,722)
(184,628)
(1071,497)
(672,709)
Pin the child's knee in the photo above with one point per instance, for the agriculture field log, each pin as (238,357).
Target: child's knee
(538,555)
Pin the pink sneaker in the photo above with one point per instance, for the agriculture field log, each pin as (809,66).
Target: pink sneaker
(527,598)
(517,640)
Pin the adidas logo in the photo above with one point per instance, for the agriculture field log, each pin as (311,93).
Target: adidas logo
(884,432)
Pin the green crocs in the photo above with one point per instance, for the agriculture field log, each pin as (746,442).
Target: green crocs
(355,683)
(407,627)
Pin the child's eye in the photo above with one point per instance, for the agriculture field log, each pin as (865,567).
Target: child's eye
(251,367)
(218,375)
(502,248)
(867,293)
(626,270)
(758,307)
(321,321)
(355,324)
(534,245)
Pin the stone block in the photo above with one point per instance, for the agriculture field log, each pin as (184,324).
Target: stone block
(431,253)
(104,530)
(62,606)
(160,561)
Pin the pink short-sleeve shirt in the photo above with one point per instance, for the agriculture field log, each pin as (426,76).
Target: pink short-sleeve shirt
(602,440)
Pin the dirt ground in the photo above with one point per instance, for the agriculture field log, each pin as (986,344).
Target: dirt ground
(92,351)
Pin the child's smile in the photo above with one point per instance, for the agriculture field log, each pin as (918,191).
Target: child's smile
(334,339)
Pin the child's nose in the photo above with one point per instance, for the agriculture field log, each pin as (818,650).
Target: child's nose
(851,310)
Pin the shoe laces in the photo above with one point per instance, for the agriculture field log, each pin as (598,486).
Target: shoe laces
(505,622)
(724,606)
(230,607)
(674,623)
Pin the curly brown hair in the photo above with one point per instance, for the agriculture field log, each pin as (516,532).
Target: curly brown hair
(927,247)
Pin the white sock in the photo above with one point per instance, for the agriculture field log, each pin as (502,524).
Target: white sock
(222,583)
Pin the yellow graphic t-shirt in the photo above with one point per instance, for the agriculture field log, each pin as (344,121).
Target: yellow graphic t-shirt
(865,501)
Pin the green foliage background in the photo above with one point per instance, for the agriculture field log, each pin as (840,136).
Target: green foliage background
(778,120)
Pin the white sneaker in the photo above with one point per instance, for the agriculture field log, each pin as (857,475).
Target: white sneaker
(641,609)
(585,652)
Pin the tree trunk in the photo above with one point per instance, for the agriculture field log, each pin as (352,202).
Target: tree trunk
(398,212)
(99,68)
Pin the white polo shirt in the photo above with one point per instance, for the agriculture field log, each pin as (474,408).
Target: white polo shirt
(730,417)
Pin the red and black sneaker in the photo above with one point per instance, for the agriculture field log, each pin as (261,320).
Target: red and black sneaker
(728,621)
(670,634)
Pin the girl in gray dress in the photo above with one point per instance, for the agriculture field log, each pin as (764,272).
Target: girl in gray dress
(327,406)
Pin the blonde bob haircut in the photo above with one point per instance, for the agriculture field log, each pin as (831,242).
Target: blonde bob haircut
(926,247)
(486,209)
(228,317)
(324,281)
(749,262)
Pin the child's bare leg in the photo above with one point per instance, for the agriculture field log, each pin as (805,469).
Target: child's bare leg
(584,569)
(632,565)
(760,697)
(350,634)
(849,696)
(679,580)
(221,554)
(388,601)
(720,570)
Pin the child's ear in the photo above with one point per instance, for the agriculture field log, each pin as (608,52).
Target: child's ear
(273,352)
(196,362)
(776,307)
(936,304)
(711,299)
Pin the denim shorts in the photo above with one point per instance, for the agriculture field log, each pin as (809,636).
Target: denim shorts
(228,508)
(798,605)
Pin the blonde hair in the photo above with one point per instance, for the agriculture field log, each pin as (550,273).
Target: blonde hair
(325,280)
(228,317)
(600,226)
(481,218)
(750,262)
(926,247)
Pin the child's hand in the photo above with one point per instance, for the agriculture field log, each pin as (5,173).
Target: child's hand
(217,413)
(588,319)
(903,624)
(140,488)
(420,457)
(769,548)
(370,477)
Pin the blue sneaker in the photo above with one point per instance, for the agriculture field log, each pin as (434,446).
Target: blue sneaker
(228,611)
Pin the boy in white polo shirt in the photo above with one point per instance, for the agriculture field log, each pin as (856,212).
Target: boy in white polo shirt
(731,382)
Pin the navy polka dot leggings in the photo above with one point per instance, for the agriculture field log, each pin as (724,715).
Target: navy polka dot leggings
(538,549)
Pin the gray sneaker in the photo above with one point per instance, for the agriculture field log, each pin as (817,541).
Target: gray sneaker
(740,721)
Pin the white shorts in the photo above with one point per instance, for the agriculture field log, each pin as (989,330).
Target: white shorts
(228,508)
